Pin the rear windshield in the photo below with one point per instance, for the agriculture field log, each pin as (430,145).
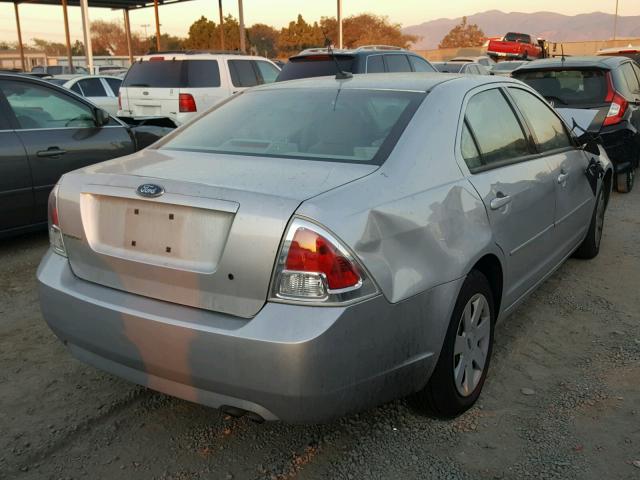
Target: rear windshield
(314,66)
(515,37)
(448,67)
(173,74)
(568,87)
(359,126)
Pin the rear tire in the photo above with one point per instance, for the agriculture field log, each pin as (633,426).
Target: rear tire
(463,364)
(625,181)
(590,246)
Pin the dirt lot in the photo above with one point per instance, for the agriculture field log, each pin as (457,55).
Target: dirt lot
(562,398)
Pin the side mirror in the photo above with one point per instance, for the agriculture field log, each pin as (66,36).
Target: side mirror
(101,117)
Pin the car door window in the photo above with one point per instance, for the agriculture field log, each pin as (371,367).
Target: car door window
(500,140)
(92,87)
(375,64)
(243,73)
(420,64)
(469,149)
(630,77)
(268,72)
(37,106)
(76,88)
(397,63)
(114,84)
(548,129)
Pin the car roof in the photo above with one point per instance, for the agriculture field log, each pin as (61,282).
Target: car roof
(198,55)
(416,82)
(575,62)
(364,50)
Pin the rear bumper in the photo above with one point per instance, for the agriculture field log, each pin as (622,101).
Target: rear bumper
(621,143)
(295,363)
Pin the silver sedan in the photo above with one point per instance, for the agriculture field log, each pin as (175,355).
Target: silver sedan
(312,248)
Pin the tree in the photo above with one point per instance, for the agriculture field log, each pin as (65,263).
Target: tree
(463,35)
(167,42)
(203,35)
(49,48)
(367,29)
(109,38)
(263,39)
(298,36)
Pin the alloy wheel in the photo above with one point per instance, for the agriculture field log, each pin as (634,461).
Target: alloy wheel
(472,344)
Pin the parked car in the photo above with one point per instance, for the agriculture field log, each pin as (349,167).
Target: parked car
(178,85)
(506,68)
(316,247)
(482,60)
(318,62)
(629,51)
(469,68)
(515,45)
(45,131)
(101,90)
(607,91)
(59,70)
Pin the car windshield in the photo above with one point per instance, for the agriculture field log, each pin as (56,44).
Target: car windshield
(169,73)
(567,87)
(314,66)
(359,126)
(449,67)
(507,66)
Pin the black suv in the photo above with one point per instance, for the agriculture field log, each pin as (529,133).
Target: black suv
(317,62)
(607,86)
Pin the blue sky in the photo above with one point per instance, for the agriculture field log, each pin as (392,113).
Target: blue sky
(46,22)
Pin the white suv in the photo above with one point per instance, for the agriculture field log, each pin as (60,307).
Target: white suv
(177,85)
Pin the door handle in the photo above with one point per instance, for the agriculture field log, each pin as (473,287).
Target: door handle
(51,152)
(500,201)
(562,178)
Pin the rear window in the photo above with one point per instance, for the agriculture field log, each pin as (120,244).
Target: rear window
(568,87)
(517,37)
(449,67)
(314,66)
(173,74)
(360,126)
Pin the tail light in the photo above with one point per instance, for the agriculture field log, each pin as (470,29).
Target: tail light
(55,233)
(186,103)
(313,265)
(618,106)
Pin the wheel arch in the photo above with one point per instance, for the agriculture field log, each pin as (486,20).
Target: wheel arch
(607,184)
(491,267)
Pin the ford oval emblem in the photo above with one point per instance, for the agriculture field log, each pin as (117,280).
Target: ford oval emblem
(150,190)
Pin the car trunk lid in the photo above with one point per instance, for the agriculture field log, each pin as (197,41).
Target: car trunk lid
(209,241)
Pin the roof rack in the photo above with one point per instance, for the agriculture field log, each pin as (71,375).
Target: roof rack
(321,50)
(197,52)
(379,47)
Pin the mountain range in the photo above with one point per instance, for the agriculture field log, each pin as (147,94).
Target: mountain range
(551,26)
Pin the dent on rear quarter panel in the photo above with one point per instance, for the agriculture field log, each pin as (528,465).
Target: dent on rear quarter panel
(416,222)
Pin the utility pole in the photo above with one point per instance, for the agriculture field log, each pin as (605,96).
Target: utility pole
(615,22)
(221,25)
(339,23)
(86,31)
(243,46)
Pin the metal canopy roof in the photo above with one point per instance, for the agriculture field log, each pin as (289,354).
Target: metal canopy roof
(115,4)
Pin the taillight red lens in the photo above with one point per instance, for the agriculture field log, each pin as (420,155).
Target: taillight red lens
(52,207)
(617,110)
(186,103)
(311,252)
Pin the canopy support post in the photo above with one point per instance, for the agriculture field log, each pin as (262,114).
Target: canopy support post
(67,37)
(127,31)
(20,45)
(155,9)
(86,31)
(339,23)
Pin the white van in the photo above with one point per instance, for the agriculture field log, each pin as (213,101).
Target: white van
(177,85)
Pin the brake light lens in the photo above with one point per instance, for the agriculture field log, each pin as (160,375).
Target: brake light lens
(314,265)
(618,106)
(55,233)
(186,103)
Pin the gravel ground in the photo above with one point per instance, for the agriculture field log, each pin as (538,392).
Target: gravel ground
(561,400)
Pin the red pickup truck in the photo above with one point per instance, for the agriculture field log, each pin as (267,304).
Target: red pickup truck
(515,45)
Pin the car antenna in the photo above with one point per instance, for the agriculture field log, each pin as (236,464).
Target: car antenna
(341,75)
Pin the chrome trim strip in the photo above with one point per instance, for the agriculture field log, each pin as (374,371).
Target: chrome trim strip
(532,239)
(573,211)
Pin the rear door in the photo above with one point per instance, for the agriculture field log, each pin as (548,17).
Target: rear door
(16,192)
(59,134)
(515,184)
(574,197)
